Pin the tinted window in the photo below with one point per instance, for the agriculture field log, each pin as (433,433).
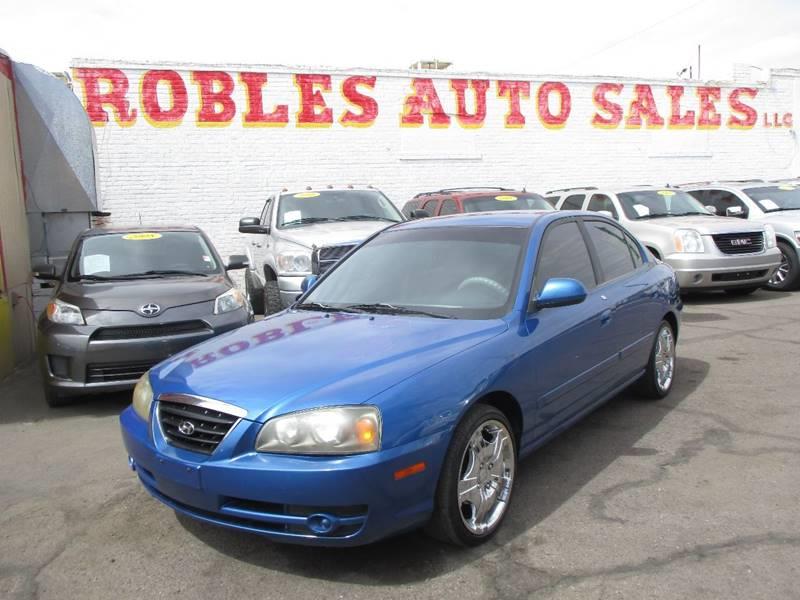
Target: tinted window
(448,207)
(774,198)
(464,272)
(574,202)
(506,201)
(303,208)
(430,206)
(552,200)
(410,205)
(563,253)
(602,202)
(720,200)
(616,254)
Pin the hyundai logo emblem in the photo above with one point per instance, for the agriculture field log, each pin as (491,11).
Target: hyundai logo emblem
(186,427)
(149,310)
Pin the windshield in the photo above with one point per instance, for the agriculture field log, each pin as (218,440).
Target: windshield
(143,254)
(774,198)
(649,204)
(304,208)
(506,201)
(454,272)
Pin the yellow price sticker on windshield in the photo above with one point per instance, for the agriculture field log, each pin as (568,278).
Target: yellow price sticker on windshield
(786,188)
(141,236)
(505,198)
(666,192)
(307,195)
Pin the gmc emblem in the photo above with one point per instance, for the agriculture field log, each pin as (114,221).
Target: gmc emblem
(741,242)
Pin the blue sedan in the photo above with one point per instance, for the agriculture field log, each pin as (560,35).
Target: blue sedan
(404,386)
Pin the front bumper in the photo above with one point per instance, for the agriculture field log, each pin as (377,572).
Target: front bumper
(721,271)
(327,501)
(289,286)
(74,362)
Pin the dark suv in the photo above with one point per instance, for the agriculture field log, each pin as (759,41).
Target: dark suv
(451,201)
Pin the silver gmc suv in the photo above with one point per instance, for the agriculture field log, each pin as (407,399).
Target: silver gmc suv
(326,222)
(707,252)
(776,204)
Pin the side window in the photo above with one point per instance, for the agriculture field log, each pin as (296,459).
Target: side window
(448,207)
(722,201)
(553,200)
(430,206)
(574,202)
(636,252)
(563,253)
(615,252)
(411,205)
(602,202)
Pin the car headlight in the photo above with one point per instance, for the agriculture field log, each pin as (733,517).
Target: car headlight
(770,239)
(339,430)
(230,300)
(688,240)
(143,396)
(62,312)
(294,262)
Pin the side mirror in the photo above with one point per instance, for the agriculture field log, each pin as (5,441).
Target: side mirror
(237,261)
(45,272)
(560,291)
(308,283)
(735,211)
(711,209)
(419,213)
(252,225)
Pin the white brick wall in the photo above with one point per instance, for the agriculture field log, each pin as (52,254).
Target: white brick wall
(213,176)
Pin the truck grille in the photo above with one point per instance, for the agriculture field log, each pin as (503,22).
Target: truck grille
(739,243)
(108,372)
(136,332)
(323,258)
(195,428)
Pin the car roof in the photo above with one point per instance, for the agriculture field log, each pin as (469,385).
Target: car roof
(329,188)
(734,184)
(469,192)
(139,229)
(500,218)
(611,189)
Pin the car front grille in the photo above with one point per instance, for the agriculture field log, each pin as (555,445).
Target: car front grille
(111,372)
(739,243)
(135,332)
(738,275)
(323,258)
(194,427)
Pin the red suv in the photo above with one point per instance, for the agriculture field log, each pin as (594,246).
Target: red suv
(472,199)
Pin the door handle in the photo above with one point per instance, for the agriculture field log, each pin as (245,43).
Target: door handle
(256,244)
(605,316)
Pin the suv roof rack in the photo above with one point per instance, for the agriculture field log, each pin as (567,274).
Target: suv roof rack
(755,180)
(465,189)
(570,189)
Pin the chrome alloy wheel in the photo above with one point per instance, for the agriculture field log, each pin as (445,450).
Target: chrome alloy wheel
(782,272)
(665,358)
(486,477)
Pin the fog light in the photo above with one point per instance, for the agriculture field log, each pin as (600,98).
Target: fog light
(59,366)
(321,524)
(698,277)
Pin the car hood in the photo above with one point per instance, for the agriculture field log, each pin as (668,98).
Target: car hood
(786,219)
(704,225)
(326,234)
(167,292)
(299,359)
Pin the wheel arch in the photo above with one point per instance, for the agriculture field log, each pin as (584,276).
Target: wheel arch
(654,251)
(673,321)
(507,404)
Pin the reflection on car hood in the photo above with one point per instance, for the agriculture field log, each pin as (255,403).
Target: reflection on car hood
(167,292)
(705,225)
(325,234)
(789,218)
(301,359)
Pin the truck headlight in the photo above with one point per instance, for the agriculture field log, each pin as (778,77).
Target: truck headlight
(770,239)
(294,262)
(64,313)
(339,430)
(143,397)
(230,300)
(688,240)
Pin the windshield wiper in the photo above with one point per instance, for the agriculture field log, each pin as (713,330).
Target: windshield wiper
(321,306)
(94,278)
(390,309)
(780,209)
(306,220)
(656,216)
(365,218)
(160,272)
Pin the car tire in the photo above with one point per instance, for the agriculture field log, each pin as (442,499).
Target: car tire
(744,291)
(657,380)
(787,277)
(255,294)
(272,298)
(53,398)
(476,479)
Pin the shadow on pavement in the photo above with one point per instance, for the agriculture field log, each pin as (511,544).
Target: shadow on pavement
(545,481)
(22,400)
(719,297)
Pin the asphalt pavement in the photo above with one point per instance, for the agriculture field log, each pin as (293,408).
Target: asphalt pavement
(695,496)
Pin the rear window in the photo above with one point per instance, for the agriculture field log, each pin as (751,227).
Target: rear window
(506,201)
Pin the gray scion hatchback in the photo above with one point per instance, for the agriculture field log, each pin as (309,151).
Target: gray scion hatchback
(128,299)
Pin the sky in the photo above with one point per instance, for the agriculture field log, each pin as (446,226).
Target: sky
(568,37)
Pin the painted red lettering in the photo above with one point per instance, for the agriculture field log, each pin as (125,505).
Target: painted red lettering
(548,119)
(463,116)
(423,100)
(708,118)
(255,116)
(676,119)
(747,116)
(613,111)
(514,90)
(643,109)
(116,97)
(368,106)
(313,110)
(155,114)
(216,103)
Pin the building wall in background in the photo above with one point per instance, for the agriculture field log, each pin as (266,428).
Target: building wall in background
(204,144)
